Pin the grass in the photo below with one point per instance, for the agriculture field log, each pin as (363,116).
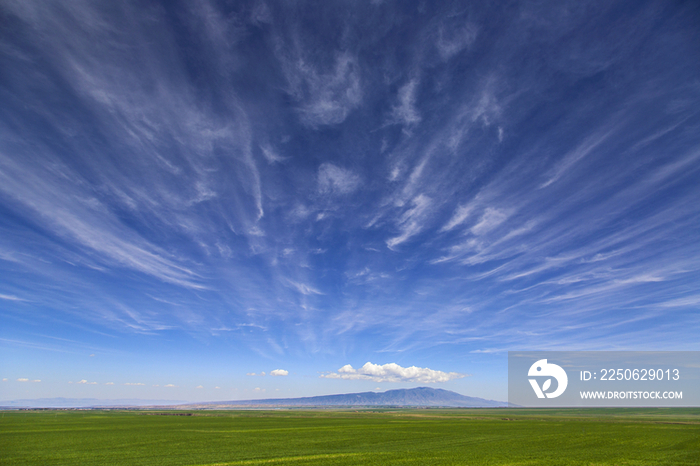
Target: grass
(366,437)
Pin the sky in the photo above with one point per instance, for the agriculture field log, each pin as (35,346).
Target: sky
(222,200)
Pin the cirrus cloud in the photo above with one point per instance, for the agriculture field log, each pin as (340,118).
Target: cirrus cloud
(393,373)
(336,180)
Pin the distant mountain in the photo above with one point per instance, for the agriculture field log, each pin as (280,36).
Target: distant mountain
(84,403)
(421,396)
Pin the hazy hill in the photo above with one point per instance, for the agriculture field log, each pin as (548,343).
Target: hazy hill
(83,403)
(421,396)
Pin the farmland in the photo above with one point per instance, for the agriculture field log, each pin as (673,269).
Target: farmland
(377,436)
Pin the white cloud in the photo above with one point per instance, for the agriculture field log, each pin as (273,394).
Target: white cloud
(304,289)
(335,180)
(258,389)
(262,374)
(169,385)
(83,381)
(393,373)
(261,13)
(22,380)
(271,155)
(217,388)
(487,109)
(36,381)
(490,220)
(453,40)
(199,386)
(278,372)
(92,228)
(134,383)
(459,217)
(92,355)
(583,150)
(5,379)
(10,297)
(326,98)
(109,383)
(411,221)
(686,301)
(405,112)
(255,181)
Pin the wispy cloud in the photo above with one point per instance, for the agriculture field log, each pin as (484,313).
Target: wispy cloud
(583,150)
(405,111)
(460,216)
(411,221)
(304,288)
(454,35)
(489,220)
(336,180)
(11,297)
(271,155)
(682,302)
(326,93)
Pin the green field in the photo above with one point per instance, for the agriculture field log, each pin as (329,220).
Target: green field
(364,437)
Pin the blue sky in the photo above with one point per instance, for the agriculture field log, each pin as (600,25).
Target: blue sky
(192,192)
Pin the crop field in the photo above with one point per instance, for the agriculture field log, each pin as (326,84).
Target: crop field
(362,437)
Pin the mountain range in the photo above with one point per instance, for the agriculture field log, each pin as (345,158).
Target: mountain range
(84,403)
(421,396)
(418,397)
